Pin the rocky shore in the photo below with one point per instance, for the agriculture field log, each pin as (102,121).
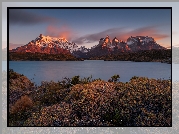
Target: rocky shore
(89,102)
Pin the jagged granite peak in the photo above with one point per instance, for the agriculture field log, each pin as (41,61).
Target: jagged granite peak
(115,39)
(116,46)
(115,42)
(105,42)
(83,49)
(142,39)
(131,45)
(142,43)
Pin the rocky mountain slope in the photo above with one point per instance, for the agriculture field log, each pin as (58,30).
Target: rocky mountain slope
(47,44)
(106,46)
(115,46)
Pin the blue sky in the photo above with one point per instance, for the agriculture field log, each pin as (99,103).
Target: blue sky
(86,26)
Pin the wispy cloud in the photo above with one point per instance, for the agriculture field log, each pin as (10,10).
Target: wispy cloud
(63,31)
(113,32)
(23,17)
(149,31)
(122,34)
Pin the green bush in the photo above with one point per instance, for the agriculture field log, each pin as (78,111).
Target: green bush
(75,80)
(114,78)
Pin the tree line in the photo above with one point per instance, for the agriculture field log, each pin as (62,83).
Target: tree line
(13,56)
(140,56)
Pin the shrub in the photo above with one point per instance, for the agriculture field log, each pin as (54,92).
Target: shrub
(50,93)
(75,80)
(134,77)
(20,111)
(21,105)
(114,78)
(86,80)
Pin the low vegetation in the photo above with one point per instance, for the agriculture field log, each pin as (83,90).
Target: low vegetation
(141,56)
(93,102)
(13,56)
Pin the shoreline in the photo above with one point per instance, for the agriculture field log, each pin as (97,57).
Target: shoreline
(161,61)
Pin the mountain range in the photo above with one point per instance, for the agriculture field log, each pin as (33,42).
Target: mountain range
(116,46)
(53,45)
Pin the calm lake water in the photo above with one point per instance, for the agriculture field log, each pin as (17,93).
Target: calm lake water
(39,71)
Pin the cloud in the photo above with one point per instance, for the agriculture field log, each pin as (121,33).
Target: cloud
(149,31)
(122,34)
(23,17)
(90,38)
(63,31)
(160,36)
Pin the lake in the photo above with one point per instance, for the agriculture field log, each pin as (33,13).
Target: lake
(39,71)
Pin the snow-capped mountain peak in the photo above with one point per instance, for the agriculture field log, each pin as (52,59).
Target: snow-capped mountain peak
(53,42)
(48,44)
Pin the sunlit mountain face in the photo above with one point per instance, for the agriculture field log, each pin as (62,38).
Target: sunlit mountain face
(47,44)
(54,45)
(132,43)
(116,46)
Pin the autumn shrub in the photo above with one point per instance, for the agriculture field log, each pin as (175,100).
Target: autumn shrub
(140,102)
(144,102)
(20,111)
(83,106)
(55,115)
(91,101)
(134,77)
(50,93)
(94,102)
(22,104)
(12,74)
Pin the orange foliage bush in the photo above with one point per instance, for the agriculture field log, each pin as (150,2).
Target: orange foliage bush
(22,104)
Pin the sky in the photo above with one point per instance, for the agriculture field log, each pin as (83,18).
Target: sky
(86,27)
